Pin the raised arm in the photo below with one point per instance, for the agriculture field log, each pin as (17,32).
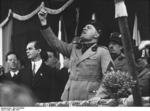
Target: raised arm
(51,38)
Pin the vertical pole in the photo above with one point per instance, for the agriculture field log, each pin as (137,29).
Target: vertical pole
(121,14)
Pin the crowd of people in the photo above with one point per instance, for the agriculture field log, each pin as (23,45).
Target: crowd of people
(86,61)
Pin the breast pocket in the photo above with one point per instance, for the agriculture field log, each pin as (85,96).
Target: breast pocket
(91,63)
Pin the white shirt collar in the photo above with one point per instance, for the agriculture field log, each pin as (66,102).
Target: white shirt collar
(37,65)
(14,73)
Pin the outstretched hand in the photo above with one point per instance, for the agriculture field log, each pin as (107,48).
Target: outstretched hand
(42,14)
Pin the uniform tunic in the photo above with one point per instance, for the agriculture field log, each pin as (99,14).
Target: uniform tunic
(86,69)
(121,63)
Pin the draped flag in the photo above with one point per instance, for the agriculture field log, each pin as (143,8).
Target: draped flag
(7,39)
(93,16)
(62,35)
(136,32)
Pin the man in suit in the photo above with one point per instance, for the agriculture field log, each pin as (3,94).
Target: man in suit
(37,76)
(61,77)
(52,59)
(89,61)
(13,74)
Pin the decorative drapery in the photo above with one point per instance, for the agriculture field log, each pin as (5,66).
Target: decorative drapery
(7,19)
(28,16)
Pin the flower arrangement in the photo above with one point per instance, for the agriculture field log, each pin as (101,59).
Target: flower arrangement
(117,84)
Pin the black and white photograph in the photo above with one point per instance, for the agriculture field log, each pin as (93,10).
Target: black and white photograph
(74,54)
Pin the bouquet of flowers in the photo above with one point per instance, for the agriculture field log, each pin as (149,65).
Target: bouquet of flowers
(118,84)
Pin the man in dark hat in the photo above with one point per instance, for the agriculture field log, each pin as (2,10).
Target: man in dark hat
(145,47)
(144,74)
(88,60)
(116,51)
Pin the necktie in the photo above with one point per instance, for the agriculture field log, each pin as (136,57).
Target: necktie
(33,69)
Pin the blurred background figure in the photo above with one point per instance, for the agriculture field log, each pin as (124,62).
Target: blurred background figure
(13,66)
(145,47)
(52,59)
(14,95)
(116,51)
(144,71)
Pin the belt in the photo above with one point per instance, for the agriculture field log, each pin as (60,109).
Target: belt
(86,78)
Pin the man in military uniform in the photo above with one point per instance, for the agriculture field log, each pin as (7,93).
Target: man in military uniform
(116,51)
(88,60)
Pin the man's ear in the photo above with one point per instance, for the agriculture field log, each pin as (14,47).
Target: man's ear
(97,35)
(40,50)
(121,48)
